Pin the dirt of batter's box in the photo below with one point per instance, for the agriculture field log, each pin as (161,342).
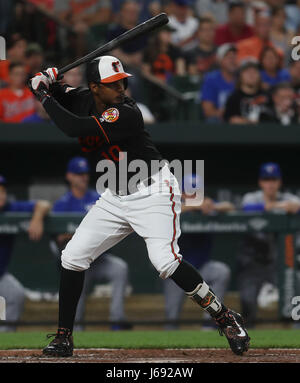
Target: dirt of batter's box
(155,356)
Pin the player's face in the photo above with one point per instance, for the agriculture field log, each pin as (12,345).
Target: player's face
(79,181)
(270,186)
(112,93)
(3,196)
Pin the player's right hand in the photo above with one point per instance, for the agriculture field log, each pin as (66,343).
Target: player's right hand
(52,74)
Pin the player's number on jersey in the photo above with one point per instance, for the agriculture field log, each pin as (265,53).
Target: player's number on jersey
(2,308)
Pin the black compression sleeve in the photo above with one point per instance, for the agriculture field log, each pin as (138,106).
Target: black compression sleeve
(69,123)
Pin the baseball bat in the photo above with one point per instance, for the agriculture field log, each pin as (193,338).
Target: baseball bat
(137,31)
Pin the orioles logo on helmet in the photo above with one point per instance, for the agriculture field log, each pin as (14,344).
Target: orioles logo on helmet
(116,66)
(110,115)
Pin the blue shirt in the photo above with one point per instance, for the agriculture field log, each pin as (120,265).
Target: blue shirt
(7,240)
(282,75)
(196,248)
(33,118)
(69,203)
(216,89)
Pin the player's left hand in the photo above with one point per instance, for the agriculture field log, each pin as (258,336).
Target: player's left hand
(36,229)
(40,81)
(39,85)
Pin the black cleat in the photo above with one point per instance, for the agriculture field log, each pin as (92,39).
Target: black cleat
(61,345)
(231,324)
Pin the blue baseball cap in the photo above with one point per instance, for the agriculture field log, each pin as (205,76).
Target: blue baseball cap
(2,180)
(270,170)
(191,183)
(78,165)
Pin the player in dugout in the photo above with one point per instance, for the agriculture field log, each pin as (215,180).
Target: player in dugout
(10,288)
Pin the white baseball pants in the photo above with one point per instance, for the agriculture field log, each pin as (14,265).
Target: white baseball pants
(152,212)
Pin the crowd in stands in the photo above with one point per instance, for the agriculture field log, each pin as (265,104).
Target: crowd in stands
(234,57)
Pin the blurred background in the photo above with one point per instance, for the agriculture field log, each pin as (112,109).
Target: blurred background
(217,83)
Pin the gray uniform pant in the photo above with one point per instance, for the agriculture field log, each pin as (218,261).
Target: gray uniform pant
(250,280)
(216,274)
(14,294)
(114,270)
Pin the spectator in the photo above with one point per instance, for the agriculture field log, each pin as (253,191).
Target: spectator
(283,109)
(74,77)
(281,37)
(82,14)
(33,22)
(80,199)
(10,288)
(256,261)
(219,84)
(211,8)
(295,81)
(197,250)
(150,8)
(15,52)
(39,115)
(203,57)
(293,15)
(253,8)
(161,58)
(253,46)
(272,72)
(184,23)
(236,29)
(16,101)
(131,52)
(6,16)
(248,100)
(273,4)
(34,57)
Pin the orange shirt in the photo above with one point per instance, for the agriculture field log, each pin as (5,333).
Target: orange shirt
(251,47)
(15,106)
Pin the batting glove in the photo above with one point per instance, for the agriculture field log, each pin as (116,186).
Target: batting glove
(39,85)
(52,74)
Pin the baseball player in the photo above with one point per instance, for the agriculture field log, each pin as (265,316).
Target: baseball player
(110,126)
(10,288)
(256,260)
(109,267)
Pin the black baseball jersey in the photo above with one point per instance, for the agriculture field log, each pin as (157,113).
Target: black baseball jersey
(119,129)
